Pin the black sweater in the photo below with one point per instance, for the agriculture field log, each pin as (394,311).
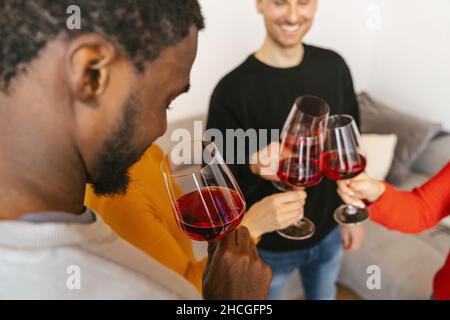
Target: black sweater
(255,95)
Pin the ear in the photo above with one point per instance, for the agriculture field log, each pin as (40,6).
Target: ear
(88,65)
(259,5)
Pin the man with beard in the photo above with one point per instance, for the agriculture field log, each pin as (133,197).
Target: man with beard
(80,106)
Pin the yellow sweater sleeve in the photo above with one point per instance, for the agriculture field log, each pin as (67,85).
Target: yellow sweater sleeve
(143,217)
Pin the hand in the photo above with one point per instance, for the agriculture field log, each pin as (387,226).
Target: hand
(234,270)
(275,212)
(352,236)
(359,188)
(265,161)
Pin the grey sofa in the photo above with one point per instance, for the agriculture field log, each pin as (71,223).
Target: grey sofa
(408,263)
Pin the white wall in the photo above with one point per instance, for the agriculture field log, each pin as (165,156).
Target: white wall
(402,59)
(341,25)
(233,31)
(410,67)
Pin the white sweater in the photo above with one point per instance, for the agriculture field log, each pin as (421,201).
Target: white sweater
(50,260)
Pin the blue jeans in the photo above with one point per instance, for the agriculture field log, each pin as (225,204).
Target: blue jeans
(319,267)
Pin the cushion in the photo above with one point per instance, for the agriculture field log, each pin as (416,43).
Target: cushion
(380,153)
(435,156)
(413,133)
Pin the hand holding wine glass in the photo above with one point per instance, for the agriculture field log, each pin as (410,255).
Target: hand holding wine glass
(234,270)
(275,212)
(344,159)
(209,206)
(362,187)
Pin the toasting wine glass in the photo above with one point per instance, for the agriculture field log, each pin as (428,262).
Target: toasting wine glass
(344,158)
(306,118)
(300,166)
(300,155)
(205,197)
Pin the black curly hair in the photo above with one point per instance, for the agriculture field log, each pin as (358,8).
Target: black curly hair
(142,27)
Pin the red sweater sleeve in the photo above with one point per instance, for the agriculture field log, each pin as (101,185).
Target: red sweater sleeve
(417,210)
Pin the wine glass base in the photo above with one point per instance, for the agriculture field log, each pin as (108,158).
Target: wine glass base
(350,215)
(302,230)
(281,186)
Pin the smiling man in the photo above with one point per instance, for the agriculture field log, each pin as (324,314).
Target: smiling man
(82,106)
(259,94)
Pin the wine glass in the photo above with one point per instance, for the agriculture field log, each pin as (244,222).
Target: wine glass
(344,158)
(206,199)
(305,118)
(300,166)
(300,155)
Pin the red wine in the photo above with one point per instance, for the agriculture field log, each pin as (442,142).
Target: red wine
(295,174)
(209,213)
(336,168)
(303,145)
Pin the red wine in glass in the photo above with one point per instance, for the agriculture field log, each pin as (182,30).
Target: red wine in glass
(207,201)
(306,118)
(297,145)
(209,213)
(300,155)
(300,166)
(343,159)
(344,167)
(296,172)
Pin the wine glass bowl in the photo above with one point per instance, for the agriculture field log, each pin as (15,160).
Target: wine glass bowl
(307,118)
(343,159)
(300,165)
(301,155)
(307,115)
(206,199)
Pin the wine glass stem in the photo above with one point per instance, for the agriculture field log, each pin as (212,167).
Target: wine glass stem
(350,209)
